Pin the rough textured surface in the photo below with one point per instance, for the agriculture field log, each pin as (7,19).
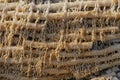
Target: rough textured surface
(54,41)
(109,74)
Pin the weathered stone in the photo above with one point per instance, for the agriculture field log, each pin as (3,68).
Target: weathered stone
(115,69)
(118,74)
(115,78)
(105,78)
(108,71)
(111,74)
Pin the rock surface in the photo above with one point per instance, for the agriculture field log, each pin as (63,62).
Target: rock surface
(109,74)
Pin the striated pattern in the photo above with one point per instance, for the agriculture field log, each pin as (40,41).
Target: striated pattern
(54,41)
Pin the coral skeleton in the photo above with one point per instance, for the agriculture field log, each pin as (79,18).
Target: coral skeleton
(55,40)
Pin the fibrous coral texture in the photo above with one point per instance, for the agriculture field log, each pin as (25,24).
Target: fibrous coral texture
(58,40)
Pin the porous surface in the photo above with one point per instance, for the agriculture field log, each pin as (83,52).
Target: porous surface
(59,40)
